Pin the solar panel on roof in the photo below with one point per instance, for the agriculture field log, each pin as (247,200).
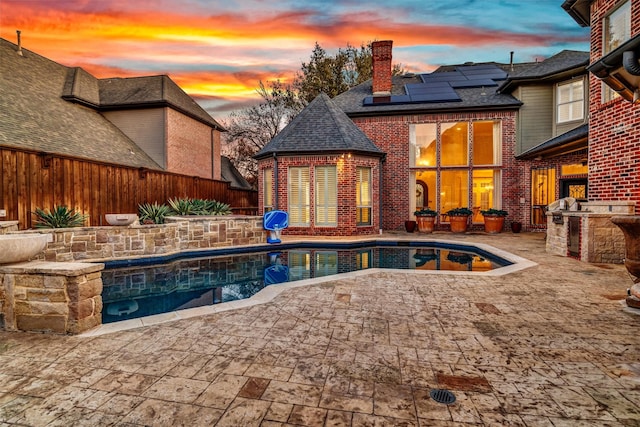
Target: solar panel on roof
(474,83)
(436,97)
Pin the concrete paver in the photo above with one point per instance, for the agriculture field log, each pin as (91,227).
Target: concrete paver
(551,345)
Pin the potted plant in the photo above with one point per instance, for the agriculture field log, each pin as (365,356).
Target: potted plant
(459,218)
(410,225)
(493,220)
(426,219)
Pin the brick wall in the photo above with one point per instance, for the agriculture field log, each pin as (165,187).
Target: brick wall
(346,168)
(189,146)
(391,135)
(614,127)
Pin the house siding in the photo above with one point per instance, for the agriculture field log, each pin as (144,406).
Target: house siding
(535,118)
(391,134)
(614,127)
(144,127)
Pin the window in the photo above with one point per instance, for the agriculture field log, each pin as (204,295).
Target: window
(454,138)
(456,165)
(423,146)
(617,28)
(299,196)
(574,169)
(570,101)
(543,192)
(364,259)
(267,190)
(484,192)
(326,196)
(363,196)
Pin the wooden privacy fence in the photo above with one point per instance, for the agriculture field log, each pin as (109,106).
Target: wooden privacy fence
(39,180)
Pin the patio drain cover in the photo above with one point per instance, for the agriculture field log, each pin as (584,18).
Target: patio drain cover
(442,396)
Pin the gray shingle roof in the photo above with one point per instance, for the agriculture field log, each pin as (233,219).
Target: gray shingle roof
(320,127)
(477,98)
(231,174)
(150,91)
(34,116)
(554,66)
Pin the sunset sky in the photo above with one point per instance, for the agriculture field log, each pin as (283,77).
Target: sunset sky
(218,51)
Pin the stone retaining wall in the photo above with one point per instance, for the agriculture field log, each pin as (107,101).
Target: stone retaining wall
(43,296)
(177,234)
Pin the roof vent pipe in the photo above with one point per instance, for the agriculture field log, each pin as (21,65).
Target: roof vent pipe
(511,61)
(630,62)
(19,43)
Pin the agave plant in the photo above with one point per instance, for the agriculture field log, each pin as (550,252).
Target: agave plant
(59,217)
(153,212)
(219,208)
(182,206)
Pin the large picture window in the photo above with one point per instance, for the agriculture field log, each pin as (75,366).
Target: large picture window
(326,196)
(570,101)
(267,190)
(456,165)
(298,196)
(363,196)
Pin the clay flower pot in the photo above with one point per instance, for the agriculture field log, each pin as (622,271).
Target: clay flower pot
(493,223)
(459,223)
(410,226)
(426,224)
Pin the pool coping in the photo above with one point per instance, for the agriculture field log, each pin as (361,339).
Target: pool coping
(270,292)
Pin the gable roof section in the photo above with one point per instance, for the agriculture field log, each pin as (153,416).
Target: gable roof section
(471,94)
(321,127)
(34,117)
(565,64)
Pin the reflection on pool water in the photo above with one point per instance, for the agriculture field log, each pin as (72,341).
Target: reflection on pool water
(134,291)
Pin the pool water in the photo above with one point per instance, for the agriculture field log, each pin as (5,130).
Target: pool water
(138,288)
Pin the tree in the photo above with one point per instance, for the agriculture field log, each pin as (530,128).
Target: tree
(249,129)
(252,128)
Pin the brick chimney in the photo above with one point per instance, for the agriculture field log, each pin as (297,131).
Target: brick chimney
(381,53)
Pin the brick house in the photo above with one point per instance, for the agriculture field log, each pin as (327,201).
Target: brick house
(448,140)
(614,97)
(322,146)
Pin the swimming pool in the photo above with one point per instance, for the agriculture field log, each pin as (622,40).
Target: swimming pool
(144,287)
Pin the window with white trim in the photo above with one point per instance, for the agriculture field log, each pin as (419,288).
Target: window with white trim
(267,189)
(363,196)
(570,101)
(326,196)
(299,196)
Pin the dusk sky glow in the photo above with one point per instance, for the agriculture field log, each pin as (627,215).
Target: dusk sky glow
(218,51)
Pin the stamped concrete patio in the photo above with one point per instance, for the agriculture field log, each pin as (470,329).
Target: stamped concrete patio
(551,345)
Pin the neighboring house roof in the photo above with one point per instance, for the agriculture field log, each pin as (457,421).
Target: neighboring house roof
(151,91)
(562,65)
(468,87)
(568,142)
(33,115)
(229,173)
(320,128)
